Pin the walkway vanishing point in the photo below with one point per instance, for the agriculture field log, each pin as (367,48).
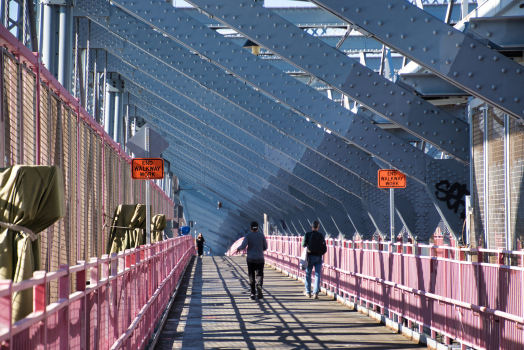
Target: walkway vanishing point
(212,310)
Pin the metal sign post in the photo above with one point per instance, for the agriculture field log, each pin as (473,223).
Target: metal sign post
(148,199)
(392,212)
(391,178)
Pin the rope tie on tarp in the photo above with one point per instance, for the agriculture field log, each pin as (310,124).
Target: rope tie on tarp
(21,229)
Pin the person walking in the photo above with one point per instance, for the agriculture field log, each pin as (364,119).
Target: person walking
(256,245)
(316,247)
(200,244)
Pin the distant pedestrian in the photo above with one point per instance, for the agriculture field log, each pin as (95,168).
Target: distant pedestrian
(316,247)
(200,244)
(256,245)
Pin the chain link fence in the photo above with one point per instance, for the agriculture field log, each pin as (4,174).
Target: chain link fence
(97,174)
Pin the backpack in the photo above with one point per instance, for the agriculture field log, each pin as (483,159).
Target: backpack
(316,244)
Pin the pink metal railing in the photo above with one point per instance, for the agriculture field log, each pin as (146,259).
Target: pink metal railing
(118,302)
(477,303)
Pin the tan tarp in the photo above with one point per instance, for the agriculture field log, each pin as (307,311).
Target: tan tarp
(158,224)
(120,238)
(32,197)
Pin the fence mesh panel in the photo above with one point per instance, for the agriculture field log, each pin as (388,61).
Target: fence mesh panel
(478,178)
(44,124)
(65,247)
(516,174)
(11,111)
(496,180)
(73,144)
(29,117)
(55,152)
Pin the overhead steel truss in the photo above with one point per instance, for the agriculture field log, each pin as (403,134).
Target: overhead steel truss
(337,70)
(386,136)
(449,53)
(259,140)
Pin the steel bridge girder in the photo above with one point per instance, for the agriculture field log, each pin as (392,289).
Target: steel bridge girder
(441,49)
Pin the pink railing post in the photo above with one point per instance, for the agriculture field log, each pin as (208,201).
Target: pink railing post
(133,284)
(104,304)
(6,292)
(121,291)
(113,317)
(40,300)
(93,325)
(64,284)
(81,287)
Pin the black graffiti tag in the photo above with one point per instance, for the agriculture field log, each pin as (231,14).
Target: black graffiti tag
(453,195)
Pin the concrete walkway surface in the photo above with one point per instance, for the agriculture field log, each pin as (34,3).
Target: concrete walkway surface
(213,311)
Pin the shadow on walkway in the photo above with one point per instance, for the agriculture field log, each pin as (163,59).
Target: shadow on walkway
(213,311)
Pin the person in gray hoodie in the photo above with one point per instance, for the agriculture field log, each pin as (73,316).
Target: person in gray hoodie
(256,245)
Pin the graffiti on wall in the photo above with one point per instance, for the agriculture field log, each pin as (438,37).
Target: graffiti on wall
(453,195)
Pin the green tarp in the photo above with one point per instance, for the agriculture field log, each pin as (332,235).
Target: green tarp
(128,228)
(158,224)
(31,197)
(129,222)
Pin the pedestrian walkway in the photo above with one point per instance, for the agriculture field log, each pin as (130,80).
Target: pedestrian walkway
(213,311)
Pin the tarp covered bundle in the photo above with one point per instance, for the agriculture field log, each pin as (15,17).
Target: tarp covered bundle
(31,197)
(128,228)
(158,224)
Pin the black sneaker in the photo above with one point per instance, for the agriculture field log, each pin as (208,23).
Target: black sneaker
(253,296)
(259,293)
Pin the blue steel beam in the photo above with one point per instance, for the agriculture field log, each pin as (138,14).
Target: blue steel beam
(335,191)
(191,137)
(263,150)
(250,206)
(216,218)
(222,167)
(197,135)
(455,224)
(384,220)
(278,173)
(353,130)
(190,178)
(331,66)
(255,181)
(134,75)
(233,175)
(311,17)
(445,51)
(319,210)
(387,136)
(297,96)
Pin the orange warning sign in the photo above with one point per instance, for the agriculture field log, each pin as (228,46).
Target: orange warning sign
(147,168)
(391,179)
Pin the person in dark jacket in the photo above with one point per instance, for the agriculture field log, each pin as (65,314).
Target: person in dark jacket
(256,245)
(314,258)
(200,244)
